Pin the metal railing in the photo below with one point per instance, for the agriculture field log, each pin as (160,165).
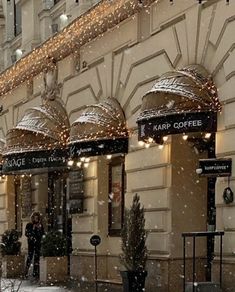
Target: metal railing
(208,234)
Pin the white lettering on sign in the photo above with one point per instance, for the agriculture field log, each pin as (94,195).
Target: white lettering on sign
(176,125)
(15,162)
(55,158)
(188,124)
(161,127)
(39,160)
(216,167)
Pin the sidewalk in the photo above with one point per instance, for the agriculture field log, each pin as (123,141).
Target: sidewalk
(14,285)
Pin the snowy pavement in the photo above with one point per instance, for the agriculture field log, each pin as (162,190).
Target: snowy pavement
(12,285)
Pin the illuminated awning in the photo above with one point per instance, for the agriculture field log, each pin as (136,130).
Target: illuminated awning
(99,130)
(180,101)
(39,139)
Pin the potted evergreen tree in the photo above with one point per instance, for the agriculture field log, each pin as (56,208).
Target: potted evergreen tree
(12,260)
(134,250)
(54,261)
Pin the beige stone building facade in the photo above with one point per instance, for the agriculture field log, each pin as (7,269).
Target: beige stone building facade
(118,49)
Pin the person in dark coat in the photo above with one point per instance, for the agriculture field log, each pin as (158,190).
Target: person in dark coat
(34,232)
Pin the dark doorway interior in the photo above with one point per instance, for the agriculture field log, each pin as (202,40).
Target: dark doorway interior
(211,210)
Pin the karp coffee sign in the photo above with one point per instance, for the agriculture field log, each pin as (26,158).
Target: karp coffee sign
(215,167)
(177,123)
(35,159)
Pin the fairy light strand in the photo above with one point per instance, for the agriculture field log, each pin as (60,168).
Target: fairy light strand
(102,17)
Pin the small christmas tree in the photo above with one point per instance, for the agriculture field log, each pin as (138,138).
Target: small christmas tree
(133,237)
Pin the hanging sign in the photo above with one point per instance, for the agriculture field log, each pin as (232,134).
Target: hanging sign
(215,167)
(35,160)
(98,147)
(176,124)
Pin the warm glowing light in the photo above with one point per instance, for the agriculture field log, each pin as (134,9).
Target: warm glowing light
(109,156)
(141,143)
(82,159)
(207,135)
(70,163)
(165,138)
(147,145)
(19,54)
(63,17)
(185,137)
(161,146)
(87,159)
(86,164)
(79,164)
(150,140)
(88,26)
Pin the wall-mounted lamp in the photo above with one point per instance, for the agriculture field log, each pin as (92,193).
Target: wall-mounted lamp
(19,53)
(64,19)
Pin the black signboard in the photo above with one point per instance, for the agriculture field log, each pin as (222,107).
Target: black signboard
(76,191)
(26,197)
(177,123)
(95,240)
(215,167)
(24,161)
(0,169)
(98,147)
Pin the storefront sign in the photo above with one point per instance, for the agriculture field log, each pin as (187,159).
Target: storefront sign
(177,123)
(35,160)
(215,167)
(98,147)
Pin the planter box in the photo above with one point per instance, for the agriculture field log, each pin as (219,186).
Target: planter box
(13,266)
(133,281)
(53,269)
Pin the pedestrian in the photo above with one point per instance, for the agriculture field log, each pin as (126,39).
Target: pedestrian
(34,232)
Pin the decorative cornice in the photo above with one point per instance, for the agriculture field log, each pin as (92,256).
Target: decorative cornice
(100,18)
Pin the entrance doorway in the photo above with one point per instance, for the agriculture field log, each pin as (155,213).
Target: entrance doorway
(57,213)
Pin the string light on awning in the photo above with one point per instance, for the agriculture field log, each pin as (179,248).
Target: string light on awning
(70,163)
(207,135)
(165,138)
(185,137)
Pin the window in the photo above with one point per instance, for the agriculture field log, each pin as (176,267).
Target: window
(116,194)
(17,19)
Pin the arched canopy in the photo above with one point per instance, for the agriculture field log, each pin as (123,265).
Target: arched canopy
(180,101)
(100,129)
(43,131)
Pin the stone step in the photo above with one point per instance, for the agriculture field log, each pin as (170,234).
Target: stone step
(203,287)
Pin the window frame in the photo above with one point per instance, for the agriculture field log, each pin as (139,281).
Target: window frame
(119,160)
(17,26)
